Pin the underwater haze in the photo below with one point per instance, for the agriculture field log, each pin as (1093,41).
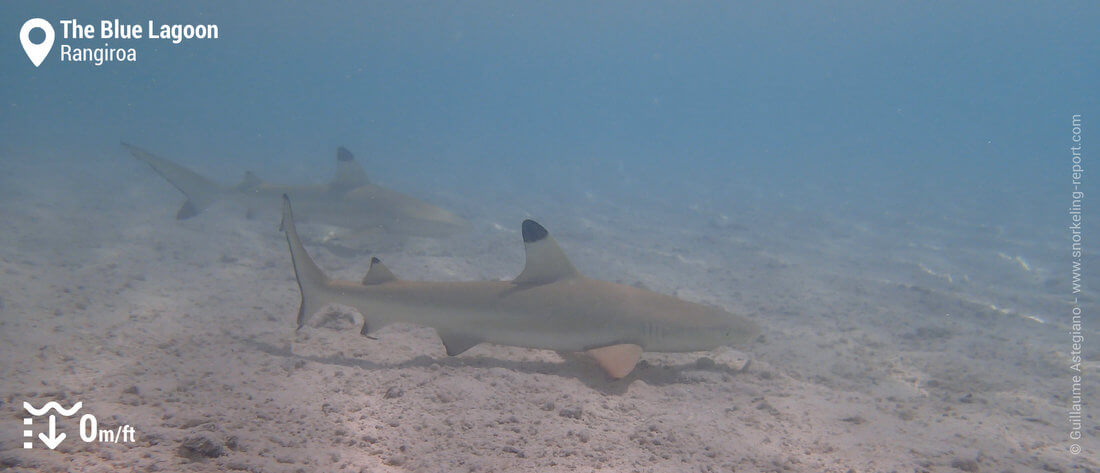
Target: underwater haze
(887,97)
(885,188)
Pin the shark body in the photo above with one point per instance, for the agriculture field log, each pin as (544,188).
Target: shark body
(548,306)
(349,201)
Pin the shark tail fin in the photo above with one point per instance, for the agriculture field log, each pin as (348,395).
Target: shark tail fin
(311,280)
(200,191)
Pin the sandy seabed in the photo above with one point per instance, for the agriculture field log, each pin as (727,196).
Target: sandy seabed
(892,343)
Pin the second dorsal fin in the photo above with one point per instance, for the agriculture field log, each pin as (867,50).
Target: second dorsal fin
(546,262)
(249,182)
(378,273)
(349,174)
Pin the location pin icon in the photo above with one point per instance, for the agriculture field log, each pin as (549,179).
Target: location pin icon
(37,52)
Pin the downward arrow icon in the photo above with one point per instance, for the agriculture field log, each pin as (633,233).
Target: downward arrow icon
(54,439)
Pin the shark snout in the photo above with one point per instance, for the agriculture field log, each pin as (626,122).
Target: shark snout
(741,330)
(729,329)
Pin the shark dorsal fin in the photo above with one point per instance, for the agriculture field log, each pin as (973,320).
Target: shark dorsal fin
(349,174)
(249,181)
(546,262)
(378,273)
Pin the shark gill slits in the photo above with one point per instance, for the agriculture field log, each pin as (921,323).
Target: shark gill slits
(343,155)
(533,232)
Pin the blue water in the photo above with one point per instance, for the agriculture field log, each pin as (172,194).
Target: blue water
(894,102)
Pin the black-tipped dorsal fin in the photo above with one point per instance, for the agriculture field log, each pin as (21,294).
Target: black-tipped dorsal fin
(249,181)
(349,174)
(546,262)
(378,273)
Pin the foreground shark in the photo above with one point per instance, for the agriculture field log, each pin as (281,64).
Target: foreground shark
(549,306)
(349,201)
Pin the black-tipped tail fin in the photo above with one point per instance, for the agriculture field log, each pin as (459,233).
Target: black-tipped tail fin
(311,280)
(187,210)
(200,191)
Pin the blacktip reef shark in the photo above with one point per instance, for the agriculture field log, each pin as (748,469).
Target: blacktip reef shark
(548,306)
(349,201)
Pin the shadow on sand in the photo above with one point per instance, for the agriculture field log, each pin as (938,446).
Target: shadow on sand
(576,365)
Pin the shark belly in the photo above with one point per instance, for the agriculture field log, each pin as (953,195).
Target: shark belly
(527,330)
(492,312)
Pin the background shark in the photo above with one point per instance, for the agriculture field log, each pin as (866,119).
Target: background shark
(349,201)
(548,306)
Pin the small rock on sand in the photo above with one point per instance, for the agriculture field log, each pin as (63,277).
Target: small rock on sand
(198,447)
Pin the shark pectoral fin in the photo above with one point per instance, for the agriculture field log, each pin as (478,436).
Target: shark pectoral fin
(617,360)
(457,343)
(546,262)
(378,273)
(349,174)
